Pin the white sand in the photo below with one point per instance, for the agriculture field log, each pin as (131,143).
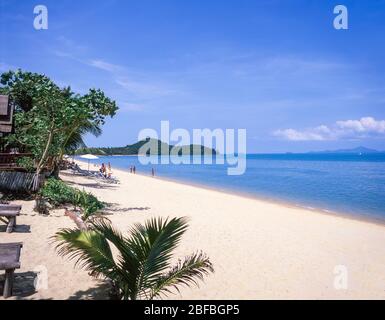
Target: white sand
(260,250)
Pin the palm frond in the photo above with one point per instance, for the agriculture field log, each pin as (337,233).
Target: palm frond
(153,244)
(139,270)
(127,263)
(89,249)
(74,142)
(185,273)
(75,139)
(92,128)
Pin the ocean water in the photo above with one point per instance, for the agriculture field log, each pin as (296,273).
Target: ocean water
(335,183)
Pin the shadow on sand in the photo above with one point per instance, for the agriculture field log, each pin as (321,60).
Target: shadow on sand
(23,285)
(20,228)
(94,185)
(100,292)
(112,208)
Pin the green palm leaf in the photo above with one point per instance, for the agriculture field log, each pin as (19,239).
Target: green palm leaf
(153,244)
(90,249)
(127,262)
(185,273)
(140,270)
(75,139)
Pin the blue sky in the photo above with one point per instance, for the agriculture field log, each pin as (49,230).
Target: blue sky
(277,68)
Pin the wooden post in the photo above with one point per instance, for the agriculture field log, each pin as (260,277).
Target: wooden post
(8,285)
(11,224)
(78,221)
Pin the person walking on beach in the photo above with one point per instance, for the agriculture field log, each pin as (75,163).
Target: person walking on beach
(134,170)
(109,171)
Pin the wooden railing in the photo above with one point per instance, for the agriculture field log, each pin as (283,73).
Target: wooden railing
(8,161)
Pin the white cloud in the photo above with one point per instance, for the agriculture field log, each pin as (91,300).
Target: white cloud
(307,135)
(71,46)
(367,127)
(142,88)
(140,84)
(106,66)
(130,107)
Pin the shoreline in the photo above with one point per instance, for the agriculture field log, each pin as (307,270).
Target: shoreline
(260,250)
(250,196)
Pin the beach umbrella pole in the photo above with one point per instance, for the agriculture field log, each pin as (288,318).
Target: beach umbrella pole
(89,157)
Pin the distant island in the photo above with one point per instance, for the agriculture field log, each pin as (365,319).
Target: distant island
(358,150)
(154,147)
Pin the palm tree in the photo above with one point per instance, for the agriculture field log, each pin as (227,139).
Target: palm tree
(74,138)
(141,270)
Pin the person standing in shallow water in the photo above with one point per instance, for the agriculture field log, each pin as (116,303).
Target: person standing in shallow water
(134,170)
(153,172)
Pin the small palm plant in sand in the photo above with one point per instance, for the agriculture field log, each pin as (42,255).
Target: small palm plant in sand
(141,269)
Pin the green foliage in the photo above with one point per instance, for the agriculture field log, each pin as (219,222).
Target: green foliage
(58,193)
(142,269)
(96,151)
(149,147)
(26,163)
(40,111)
(50,121)
(88,203)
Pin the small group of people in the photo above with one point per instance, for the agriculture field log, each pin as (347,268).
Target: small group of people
(106,171)
(133,170)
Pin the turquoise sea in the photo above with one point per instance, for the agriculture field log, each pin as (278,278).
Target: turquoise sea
(340,183)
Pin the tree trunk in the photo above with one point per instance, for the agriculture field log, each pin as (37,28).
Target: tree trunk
(56,168)
(36,179)
(78,221)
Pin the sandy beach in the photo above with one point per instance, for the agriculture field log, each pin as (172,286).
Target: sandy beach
(259,250)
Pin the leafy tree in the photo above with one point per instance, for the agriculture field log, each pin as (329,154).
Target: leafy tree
(141,270)
(50,121)
(86,115)
(40,113)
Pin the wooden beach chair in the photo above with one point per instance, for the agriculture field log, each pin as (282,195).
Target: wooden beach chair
(10,206)
(8,214)
(9,261)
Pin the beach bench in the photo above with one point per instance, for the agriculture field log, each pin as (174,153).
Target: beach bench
(10,206)
(8,214)
(9,261)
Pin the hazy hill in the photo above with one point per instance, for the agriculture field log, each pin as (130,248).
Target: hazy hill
(156,147)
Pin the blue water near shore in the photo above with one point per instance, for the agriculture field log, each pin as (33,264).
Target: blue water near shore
(351,184)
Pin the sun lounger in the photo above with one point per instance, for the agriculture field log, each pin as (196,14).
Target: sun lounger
(95,174)
(8,214)
(9,261)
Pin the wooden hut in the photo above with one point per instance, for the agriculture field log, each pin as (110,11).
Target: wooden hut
(12,177)
(6,115)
